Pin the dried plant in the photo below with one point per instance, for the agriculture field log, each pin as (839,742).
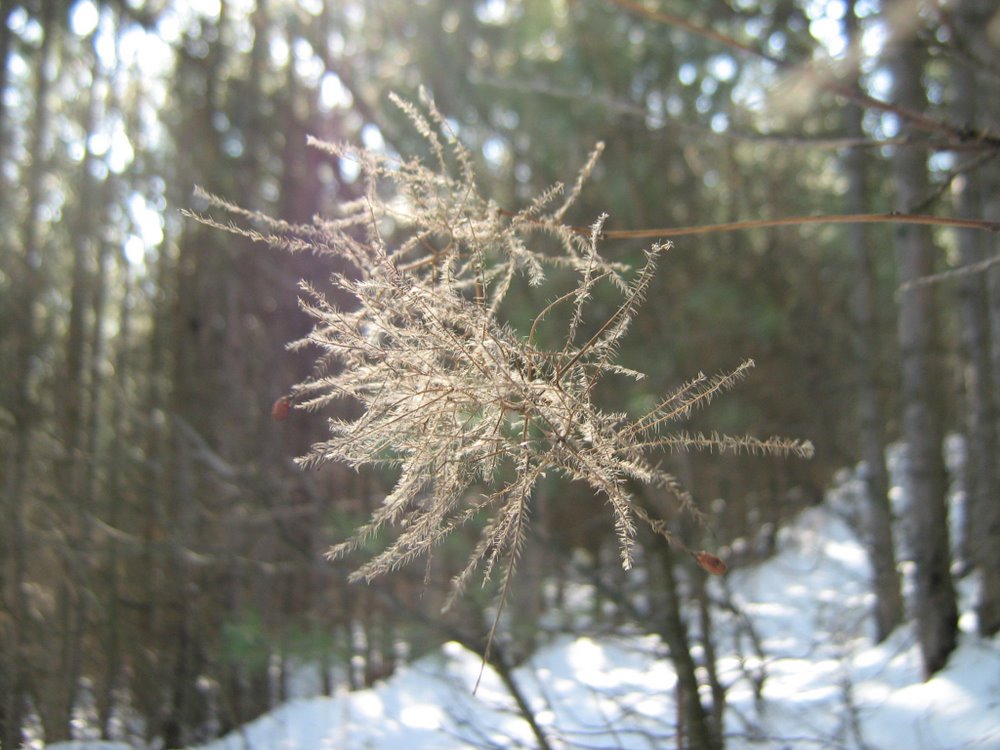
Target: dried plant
(468,411)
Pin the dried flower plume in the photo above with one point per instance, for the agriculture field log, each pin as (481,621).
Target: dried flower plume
(470,412)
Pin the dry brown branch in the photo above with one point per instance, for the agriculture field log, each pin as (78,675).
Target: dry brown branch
(790,221)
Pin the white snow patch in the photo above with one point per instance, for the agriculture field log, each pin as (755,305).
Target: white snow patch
(820,681)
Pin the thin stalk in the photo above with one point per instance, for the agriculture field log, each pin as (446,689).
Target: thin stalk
(736,226)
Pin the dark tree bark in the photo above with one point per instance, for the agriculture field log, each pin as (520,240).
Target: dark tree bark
(16,629)
(988,523)
(921,391)
(73,395)
(697,723)
(888,609)
(147,579)
(77,424)
(705,606)
(6,8)
(982,383)
(111,639)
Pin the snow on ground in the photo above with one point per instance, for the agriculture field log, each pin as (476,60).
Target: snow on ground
(818,681)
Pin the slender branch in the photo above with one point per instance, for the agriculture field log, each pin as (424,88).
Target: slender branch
(953,273)
(671,19)
(829,140)
(945,183)
(921,121)
(787,221)
(736,226)
(498,660)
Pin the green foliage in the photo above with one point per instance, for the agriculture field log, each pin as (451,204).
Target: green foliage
(244,641)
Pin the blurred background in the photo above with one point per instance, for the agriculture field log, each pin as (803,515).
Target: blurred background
(160,548)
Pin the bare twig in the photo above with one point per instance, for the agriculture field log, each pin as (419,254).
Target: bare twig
(702,131)
(790,221)
(923,122)
(951,274)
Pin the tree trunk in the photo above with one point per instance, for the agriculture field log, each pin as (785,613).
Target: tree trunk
(6,8)
(888,608)
(112,635)
(935,608)
(77,420)
(697,724)
(978,197)
(705,627)
(988,522)
(16,628)
(145,580)
(988,608)
(983,474)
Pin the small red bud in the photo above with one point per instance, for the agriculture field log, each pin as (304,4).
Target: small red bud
(282,406)
(710,562)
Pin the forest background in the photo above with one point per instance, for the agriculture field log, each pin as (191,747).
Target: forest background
(160,548)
